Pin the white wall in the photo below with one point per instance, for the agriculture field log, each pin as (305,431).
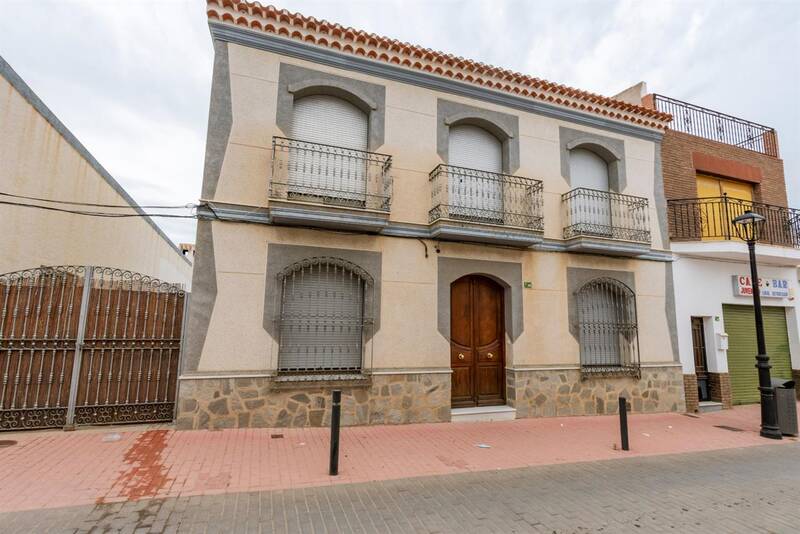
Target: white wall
(703,286)
(37,159)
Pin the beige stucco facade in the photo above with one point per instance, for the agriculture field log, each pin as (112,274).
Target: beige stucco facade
(230,378)
(41,159)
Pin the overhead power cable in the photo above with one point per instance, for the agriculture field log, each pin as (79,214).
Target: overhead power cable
(97,213)
(91,204)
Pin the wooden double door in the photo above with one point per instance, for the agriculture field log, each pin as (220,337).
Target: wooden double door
(477,336)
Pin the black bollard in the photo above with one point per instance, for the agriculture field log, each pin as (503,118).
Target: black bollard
(623,422)
(336,411)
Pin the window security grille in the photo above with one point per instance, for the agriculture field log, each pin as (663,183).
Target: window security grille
(609,337)
(325,309)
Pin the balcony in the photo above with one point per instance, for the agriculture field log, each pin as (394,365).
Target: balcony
(709,223)
(605,223)
(328,186)
(716,126)
(485,207)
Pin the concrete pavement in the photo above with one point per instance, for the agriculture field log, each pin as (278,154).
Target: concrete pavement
(743,490)
(57,469)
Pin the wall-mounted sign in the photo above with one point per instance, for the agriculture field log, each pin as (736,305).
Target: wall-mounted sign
(776,288)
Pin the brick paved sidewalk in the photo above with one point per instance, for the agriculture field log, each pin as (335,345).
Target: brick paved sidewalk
(743,490)
(57,469)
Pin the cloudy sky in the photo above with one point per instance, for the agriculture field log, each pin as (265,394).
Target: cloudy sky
(131,78)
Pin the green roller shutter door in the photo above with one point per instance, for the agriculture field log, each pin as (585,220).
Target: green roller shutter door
(740,326)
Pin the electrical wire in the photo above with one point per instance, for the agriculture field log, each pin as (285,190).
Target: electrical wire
(97,213)
(75,203)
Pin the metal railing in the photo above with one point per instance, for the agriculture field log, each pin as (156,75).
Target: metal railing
(717,126)
(609,331)
(695,219)
(595,213)
(472,195)
(325,174)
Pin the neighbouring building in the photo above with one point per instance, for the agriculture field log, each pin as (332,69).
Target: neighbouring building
(439,238)
(41,159)
(715,167)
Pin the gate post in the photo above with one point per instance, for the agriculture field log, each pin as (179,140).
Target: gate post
(184,320)
(76,361)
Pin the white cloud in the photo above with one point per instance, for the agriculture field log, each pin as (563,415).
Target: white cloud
(132,79)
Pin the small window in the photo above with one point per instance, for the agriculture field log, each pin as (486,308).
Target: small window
(609,334)
(324,310)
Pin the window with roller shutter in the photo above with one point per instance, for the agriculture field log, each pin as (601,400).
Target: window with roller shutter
(329,174)
(325,307)
(472,147)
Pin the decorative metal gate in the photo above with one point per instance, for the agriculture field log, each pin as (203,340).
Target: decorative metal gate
(87,345)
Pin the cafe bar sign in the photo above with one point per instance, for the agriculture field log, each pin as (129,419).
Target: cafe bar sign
(777,288)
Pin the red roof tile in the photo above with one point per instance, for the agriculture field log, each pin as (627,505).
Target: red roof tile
(295,26)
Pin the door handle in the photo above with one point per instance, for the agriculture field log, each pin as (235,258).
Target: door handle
(489,355)
(461,356)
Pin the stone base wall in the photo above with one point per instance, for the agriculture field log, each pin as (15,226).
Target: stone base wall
(796,378)
(548,393)
(214,403)
(719,389)
(691,393)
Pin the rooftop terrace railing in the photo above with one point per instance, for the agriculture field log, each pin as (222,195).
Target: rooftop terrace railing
(717,126)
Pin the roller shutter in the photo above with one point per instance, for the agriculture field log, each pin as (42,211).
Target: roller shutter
(322,319)
(588,170)
(478,195)
(740,327)
(323,171)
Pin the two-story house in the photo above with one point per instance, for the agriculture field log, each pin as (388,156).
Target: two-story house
(715,167)
(438,238)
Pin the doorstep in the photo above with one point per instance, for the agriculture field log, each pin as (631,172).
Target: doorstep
(482,414)
(709,406)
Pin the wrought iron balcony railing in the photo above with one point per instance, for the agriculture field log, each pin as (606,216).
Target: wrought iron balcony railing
(711,219)
(471,195)
(325,174)
(594,213)
(717,126)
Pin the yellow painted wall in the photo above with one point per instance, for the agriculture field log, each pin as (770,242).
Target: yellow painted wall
(408,335)
(410,138)
(36,161)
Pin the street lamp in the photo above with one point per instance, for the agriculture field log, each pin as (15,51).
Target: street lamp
(748,226)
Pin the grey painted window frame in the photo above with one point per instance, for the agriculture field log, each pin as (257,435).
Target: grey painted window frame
(295,82)
(280,257)
(577,278)
(629,302)
(504,126)
(611,150)
(367,298)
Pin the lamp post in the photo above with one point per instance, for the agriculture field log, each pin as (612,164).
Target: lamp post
(748,226)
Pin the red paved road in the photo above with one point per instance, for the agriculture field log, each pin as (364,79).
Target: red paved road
(55,469)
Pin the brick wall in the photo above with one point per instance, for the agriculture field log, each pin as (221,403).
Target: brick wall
(677,151)
(690,391)
(719,385)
